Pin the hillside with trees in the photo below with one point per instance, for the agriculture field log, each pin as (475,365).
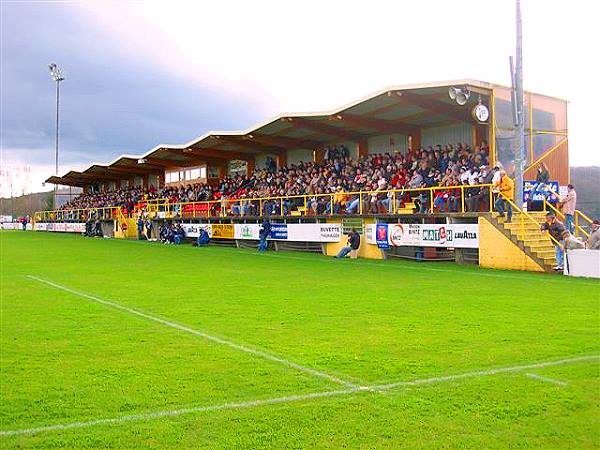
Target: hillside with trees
(587,184)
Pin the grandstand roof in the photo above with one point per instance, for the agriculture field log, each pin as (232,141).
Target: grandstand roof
(396,109)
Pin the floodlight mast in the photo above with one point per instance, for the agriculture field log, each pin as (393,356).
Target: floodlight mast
(519,107)
(58,76)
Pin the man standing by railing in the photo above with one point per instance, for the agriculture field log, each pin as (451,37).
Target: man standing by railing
(556,230)
(506,188)
(569,203)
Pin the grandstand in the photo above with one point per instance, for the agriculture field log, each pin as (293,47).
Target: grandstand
(404,156)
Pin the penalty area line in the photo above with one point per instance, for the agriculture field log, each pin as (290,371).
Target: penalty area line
(546,379)
(218,340)
(293,398)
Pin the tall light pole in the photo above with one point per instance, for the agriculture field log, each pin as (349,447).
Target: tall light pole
(58,76)
(519,112)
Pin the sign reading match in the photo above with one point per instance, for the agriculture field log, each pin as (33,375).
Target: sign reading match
(426,235)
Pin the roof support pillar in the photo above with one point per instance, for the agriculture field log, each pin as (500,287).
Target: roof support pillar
(250,166)
(415,140)
(281,160)
(319,155)
(363,148)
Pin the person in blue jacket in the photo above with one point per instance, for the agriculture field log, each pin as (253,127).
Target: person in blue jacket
(140,228)
(263,234)
(203,238)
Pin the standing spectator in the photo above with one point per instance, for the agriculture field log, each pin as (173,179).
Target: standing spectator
(542,175)
(556,230)
(263,234)
(149,227)
(541,180)
(140,228)
(352,247)
(593,242)
(506,191)
(569,203)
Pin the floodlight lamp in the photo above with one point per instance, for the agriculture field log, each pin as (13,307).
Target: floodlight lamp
(462,97)
(459,95)
(452,92)
(56,72)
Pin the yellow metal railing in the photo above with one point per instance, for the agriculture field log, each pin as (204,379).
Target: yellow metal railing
(389,201)
(76,215)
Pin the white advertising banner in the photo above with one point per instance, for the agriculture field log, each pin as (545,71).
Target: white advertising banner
(426,235)
(193,229)
(313,232)
(246,231)
(299,232)
(75,227)
(70,227)
(12,226)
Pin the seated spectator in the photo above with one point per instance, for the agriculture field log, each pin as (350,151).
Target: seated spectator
(178,234)
(593,242)
(352,247)
(203,238)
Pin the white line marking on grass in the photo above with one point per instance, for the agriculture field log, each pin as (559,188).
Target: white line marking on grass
(485,373)
(546,379)
(179,412)
(293,398)
(209,337)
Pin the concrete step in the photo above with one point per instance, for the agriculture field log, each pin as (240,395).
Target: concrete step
(518,224)
(545,254)
(536,241)
(539,247)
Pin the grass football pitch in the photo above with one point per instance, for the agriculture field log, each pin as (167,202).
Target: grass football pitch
(123,344)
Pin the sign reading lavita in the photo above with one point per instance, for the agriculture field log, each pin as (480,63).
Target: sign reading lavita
(428,235)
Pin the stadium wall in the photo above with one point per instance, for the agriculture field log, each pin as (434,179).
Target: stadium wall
(388,143)
(462,132)
(496,251)
(301,155)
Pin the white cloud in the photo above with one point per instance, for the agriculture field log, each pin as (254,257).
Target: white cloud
(316,55)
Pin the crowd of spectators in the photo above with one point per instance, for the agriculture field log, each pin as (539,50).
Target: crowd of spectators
(333,183)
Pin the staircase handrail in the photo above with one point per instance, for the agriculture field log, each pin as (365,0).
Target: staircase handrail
(559,213)
(526,214)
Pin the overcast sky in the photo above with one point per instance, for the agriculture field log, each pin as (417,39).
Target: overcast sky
(144,73)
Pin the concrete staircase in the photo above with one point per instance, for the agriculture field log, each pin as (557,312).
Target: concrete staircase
(527,236)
